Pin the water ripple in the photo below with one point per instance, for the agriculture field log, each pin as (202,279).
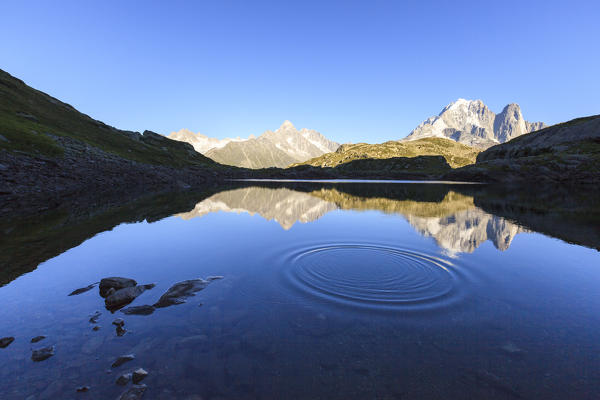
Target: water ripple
(374,276)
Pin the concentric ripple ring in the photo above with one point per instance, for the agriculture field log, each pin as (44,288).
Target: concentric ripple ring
(373,276)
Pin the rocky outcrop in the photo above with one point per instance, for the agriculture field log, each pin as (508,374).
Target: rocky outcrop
(471,122)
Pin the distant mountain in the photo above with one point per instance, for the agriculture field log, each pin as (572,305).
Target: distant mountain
(201,142)
(278,148)
(456,154)
(471,122)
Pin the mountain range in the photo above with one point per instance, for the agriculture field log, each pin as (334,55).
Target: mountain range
(472,123)
(280,148)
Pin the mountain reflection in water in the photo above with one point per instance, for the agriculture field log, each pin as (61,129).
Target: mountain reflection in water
(333,290)
(456,224)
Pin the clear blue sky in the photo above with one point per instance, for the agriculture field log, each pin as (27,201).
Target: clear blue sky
(355,71)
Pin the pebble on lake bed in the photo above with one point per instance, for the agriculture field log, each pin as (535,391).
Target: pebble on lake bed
(83,388)
(139,375)
(133,393)
(5,341)
(42,354)
(122,360)
(38,338)
(123,379)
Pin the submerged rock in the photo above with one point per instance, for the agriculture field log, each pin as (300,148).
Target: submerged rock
(118,322)
(5,341)
(94,317)
(180,291)
(123,379)
(139,375)
(42,354)
(83,388)
(121,331)
(83,289)
(122,297)
(38,338)
(214,278)
(138,310)
(133,393)
(96,328)
(122,360)
(115,283)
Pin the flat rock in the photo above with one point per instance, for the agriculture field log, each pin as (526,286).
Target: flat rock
(82,290)
(180,291)
(42,354)
(138,310)
(5,341)
(122,297)
(115,283)
(214,278)
(122,360)
(38,338)
(139,375)
(133,393)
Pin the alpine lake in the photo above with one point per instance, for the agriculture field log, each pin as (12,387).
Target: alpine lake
(306,290)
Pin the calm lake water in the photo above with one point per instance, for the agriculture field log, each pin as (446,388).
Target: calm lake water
(329,291)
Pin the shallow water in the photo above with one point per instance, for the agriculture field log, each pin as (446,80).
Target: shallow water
(330,290)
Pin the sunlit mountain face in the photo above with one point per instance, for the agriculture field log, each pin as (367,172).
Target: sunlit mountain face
(454,222)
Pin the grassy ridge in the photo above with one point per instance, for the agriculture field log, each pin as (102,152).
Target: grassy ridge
(456,154)
(28,115)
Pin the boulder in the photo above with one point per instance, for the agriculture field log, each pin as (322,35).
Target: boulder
(124,296)
(115,283)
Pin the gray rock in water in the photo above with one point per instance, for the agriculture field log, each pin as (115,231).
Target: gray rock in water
(122,297)
(121,331)
(82,290)
(42,354)
(214,278)
(122,360)
(139,375)
(5,341)
(133,393)
(83,388)
(180,291)
(94,317)
(118,322)
(138,310)
(123,379)
(115,283)
(96,328)
(38,338)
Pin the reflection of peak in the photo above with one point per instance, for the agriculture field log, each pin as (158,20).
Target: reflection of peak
(284,206)
(453,220)
(466,230)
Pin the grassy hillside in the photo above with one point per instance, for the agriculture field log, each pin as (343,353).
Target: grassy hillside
(568,152)
(456,154)
(29,118)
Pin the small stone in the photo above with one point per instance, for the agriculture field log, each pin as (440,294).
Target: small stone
(82,290)
(96,328)
(123,379)
(94,317)
(133,393)
(5,341)
(139,375)
(121,331)
(83,388)
(122,360)
(118,322)
(38,338)
(42,354)
(214,278)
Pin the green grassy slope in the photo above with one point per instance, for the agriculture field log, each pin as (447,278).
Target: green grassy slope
(27,114)
(456,154)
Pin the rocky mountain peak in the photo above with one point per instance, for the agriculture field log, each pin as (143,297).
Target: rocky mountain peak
(471,122)
(286,126)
